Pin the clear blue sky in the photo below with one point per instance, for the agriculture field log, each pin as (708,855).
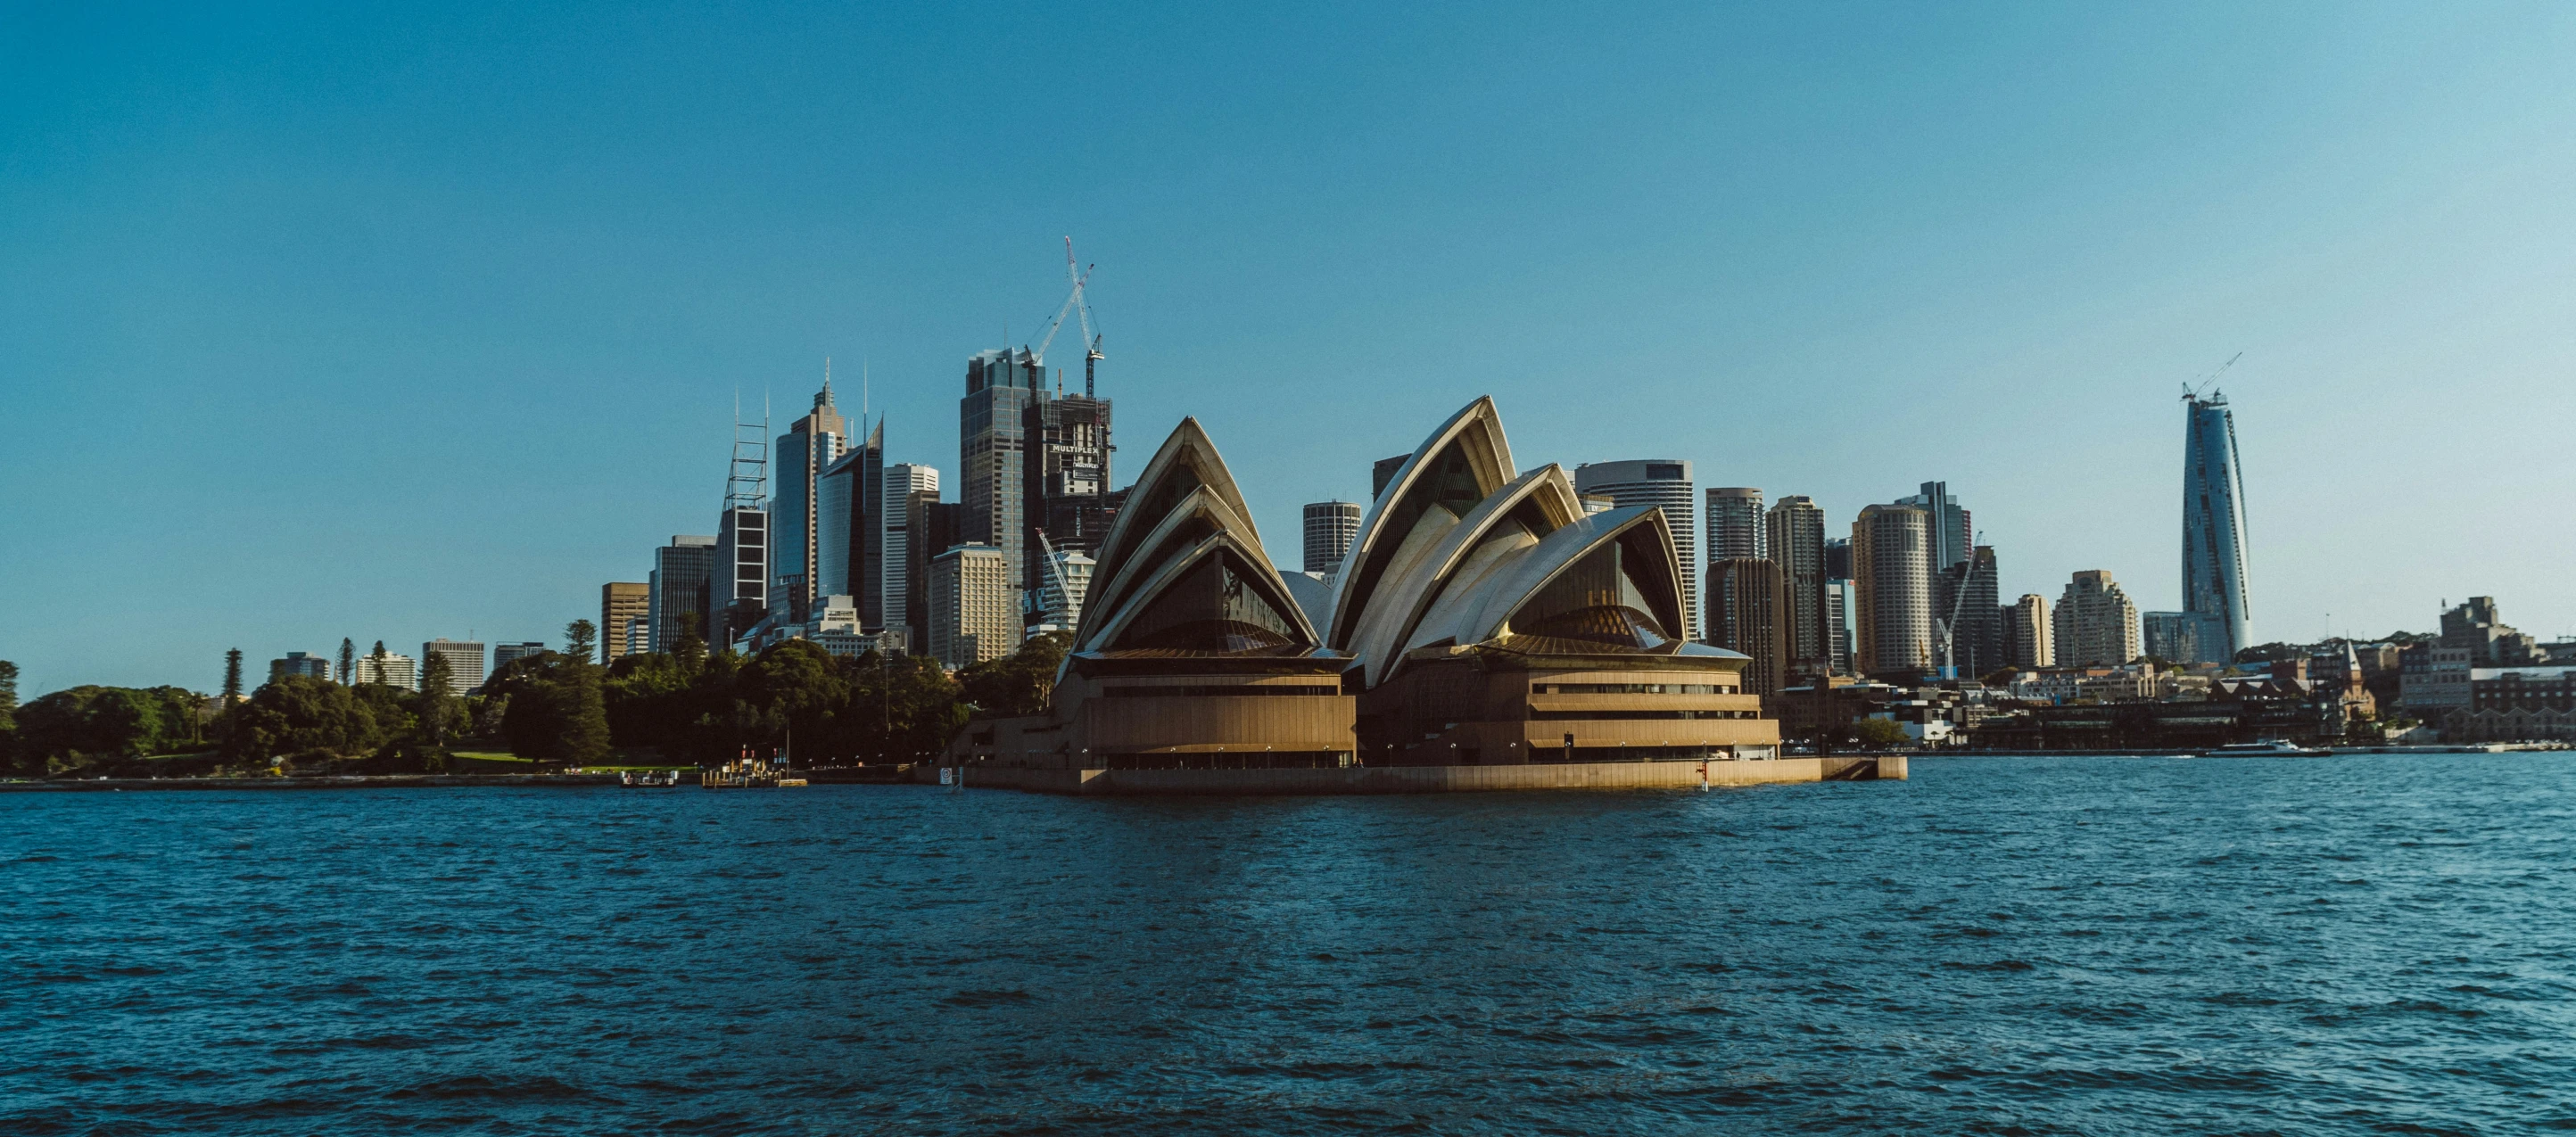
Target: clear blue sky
(333,320)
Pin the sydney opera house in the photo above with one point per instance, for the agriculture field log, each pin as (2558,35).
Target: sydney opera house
(1484,631)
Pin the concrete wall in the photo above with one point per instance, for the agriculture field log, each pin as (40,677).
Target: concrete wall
(1432,779)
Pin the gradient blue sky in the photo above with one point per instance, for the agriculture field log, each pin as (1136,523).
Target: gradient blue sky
(334,320)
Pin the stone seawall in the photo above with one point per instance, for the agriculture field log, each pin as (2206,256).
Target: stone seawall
(1431,779)
(348,782)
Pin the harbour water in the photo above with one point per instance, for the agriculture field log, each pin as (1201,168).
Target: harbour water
(2373,944)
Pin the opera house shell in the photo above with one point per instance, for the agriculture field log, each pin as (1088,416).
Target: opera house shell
(1481,617)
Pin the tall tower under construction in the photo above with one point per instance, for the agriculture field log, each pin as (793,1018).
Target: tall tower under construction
(2213,527)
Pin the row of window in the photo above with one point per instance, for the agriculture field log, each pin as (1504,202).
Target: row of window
(1549,716)
(1232,760)
(1631,689)
(1215,691)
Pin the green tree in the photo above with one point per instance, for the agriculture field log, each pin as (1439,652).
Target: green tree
(68,730)
(232,677)
(349,660)
(581,640)
(439,712)
(309,715)
(8,715)
(1879,734)
(1018,683)
(555,708)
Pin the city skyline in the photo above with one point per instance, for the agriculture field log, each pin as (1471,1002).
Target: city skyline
(1883,313)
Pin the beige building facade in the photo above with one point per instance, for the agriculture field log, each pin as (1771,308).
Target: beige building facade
(974,611)
(2095,624)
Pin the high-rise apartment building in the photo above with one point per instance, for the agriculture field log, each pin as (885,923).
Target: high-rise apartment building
(1331,526)
(1746,598)
(934,526)
(2213,525)
(464,662)
(2030,638)
(1841,601)
(849,529)
(904,481)
(1735,527)
(676,603)
(738,585)
(2095,624)
(620,603)
(1891,553)
(503,655)
(1065,479)
(992,453)
(810,446)
(1946,521)
(974,612)
(1965,600)
(1794,539)
(1665,484)
(300,663)
(390,669)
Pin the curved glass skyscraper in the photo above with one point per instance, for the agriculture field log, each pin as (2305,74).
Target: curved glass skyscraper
(2213,527)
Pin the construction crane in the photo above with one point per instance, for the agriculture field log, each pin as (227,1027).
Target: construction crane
(1946,631)
(2190,392)
(1075,304)
(1063,592)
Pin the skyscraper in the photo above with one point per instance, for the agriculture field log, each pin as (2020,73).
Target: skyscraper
(933,524)
(503,655)
(2213,524)
(676,600)
(300,663)
(1330,528)
(974,614)
(1891,548)
(1794,539)
(1665,484)
(849,522)
(464,662)
(619,603)
(1065,478)
(738,584)
(1965,602)
(812,443)
(1946,521)
(1842,601)
(2095,624)
(903,481)
(2030,637)
(992,455)
(1735,527)
(1745,599)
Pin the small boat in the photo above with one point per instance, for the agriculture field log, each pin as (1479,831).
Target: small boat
(2272,748)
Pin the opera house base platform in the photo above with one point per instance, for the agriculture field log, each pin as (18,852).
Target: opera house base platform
(1429,779)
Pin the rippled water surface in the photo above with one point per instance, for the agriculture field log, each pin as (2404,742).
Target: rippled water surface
(2351,945)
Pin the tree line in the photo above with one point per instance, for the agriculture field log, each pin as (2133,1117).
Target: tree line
(687,706)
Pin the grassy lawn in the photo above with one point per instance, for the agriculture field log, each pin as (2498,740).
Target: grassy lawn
(491,756)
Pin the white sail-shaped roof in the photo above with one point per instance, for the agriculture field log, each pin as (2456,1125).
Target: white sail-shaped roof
(1459,465)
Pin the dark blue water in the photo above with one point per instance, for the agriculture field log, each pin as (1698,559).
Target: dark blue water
(2361,945)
